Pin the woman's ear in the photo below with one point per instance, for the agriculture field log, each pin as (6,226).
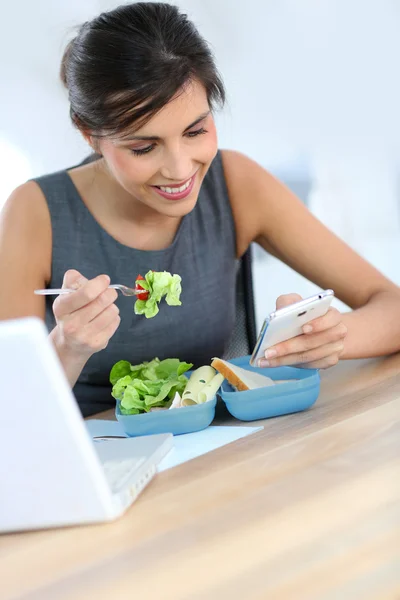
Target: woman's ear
(91,140)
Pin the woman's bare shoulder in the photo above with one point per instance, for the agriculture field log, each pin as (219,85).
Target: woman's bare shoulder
(25,251)
(247,182)
(26,209)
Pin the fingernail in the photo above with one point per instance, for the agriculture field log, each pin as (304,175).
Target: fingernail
(307,328)
(270,353)
(78,283)
(263,363)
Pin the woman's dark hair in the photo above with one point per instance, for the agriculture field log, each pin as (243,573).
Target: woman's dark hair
(127,64)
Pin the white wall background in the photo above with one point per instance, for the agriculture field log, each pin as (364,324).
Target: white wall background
(313,95)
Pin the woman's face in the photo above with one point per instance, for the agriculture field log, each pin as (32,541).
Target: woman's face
(163,164)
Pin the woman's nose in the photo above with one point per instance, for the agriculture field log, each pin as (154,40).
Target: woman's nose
(177,167)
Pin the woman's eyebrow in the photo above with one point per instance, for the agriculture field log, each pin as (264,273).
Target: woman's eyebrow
(154,138)
(197,121)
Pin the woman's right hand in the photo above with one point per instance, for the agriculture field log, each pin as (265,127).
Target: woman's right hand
(86,319)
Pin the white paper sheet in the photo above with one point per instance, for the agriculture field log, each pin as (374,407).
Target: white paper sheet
(99,428)
(191,445)
(187,446)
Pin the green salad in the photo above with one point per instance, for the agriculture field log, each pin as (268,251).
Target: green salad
(162,384)
(152,288)
(139,388)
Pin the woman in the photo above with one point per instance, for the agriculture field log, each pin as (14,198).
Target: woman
(142,87)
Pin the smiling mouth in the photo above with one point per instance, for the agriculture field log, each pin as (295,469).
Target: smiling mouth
(174,189)
(176,192)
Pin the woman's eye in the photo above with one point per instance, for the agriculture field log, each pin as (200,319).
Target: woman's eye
(197,132)
(141,151)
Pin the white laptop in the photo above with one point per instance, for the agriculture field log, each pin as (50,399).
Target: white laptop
(51,472)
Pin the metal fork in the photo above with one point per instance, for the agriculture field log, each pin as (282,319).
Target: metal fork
(125,290)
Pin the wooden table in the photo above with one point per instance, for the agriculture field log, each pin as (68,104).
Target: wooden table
(307,509)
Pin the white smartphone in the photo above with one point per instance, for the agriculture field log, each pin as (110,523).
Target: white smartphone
(288,322)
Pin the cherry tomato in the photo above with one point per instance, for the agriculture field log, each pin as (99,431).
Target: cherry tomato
(142,295)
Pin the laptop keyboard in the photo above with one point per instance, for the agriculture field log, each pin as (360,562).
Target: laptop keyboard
(118,472)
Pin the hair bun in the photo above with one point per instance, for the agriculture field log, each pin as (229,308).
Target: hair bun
(65,63)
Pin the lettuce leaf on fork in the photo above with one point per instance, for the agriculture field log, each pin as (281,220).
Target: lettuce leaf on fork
(158,284)
(139,388)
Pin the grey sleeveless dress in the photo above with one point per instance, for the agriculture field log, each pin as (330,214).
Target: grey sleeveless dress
(203,253)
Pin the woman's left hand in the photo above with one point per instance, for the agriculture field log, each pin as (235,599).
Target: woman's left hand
(319,347)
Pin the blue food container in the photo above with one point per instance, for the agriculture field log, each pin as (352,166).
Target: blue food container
(176,421)
(272,401)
